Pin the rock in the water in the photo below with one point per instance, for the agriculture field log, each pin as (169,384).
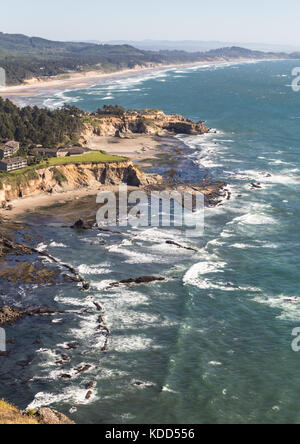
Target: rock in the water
(88,395)
(256,186)
(83,369)
(98,306)
(170,242)
(66,376)
(142,280)
(72,345)
(81,225)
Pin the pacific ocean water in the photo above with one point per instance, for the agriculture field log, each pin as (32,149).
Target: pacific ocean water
(212,344)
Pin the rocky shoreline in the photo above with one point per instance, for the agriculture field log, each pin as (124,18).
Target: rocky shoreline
(20,259)
(45,416)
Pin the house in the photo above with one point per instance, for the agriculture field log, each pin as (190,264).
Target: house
(13,144)
(77,151)
(72,151)
(49,152)
(5,152)
(62,152)
(9,149)
(13,163)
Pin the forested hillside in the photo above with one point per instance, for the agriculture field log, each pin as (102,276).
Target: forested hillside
(25,57)
(31,126)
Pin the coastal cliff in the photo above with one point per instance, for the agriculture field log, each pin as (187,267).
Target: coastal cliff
(11,415)
(69,177)
(116,122)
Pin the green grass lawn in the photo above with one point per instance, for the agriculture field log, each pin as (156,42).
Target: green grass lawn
(28,173)
(94,156)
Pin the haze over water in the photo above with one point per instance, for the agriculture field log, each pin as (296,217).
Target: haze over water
(214,344)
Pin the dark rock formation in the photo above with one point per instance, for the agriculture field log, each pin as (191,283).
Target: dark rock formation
(256,186)
(170,242)
(141,280)
(98,306)
(49,416)
(9,315)
(83,369)
(88,395)
(81,225)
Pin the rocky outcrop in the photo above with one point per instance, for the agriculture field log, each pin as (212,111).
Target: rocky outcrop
(138,281)
(142,122)
(9,315)
(11,415)
(49,416)
(75,176)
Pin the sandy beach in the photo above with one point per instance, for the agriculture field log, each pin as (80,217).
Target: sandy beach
(74,80)
(35,87)
(137,147)
(31,204)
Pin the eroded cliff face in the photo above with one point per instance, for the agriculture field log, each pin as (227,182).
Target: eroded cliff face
(68,177)
(142,122)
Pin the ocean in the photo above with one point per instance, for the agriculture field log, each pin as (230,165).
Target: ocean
(211,344)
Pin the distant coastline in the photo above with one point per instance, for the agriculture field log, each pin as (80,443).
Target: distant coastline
(75,80)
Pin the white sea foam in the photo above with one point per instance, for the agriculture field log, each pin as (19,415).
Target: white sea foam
(132,343)
(254,219)
(196,275)
(57,245)
(69,395)
(93,269)
(42,247)
(167,389)
(63,298)
(134,257)
(208,148)
(285,177)
(103,285)
(242,246)
(288,306)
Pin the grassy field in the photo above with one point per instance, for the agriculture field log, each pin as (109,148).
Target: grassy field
(29,173)
(94,156)
(11,415)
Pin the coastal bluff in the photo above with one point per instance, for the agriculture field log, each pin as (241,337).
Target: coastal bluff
(11,415)
(69,177)
(118,122)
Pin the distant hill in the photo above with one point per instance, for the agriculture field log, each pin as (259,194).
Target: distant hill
(26,57)
(198,45)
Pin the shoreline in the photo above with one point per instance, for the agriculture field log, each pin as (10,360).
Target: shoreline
(166,153)
(36,87)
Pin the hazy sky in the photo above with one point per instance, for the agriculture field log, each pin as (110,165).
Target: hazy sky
(266,21)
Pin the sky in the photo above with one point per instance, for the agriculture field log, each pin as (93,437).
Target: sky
(265,21)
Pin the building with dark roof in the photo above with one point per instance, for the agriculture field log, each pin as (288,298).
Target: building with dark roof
(13,163)
(72,151)
(9,149)
(50,152)
(13,144)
